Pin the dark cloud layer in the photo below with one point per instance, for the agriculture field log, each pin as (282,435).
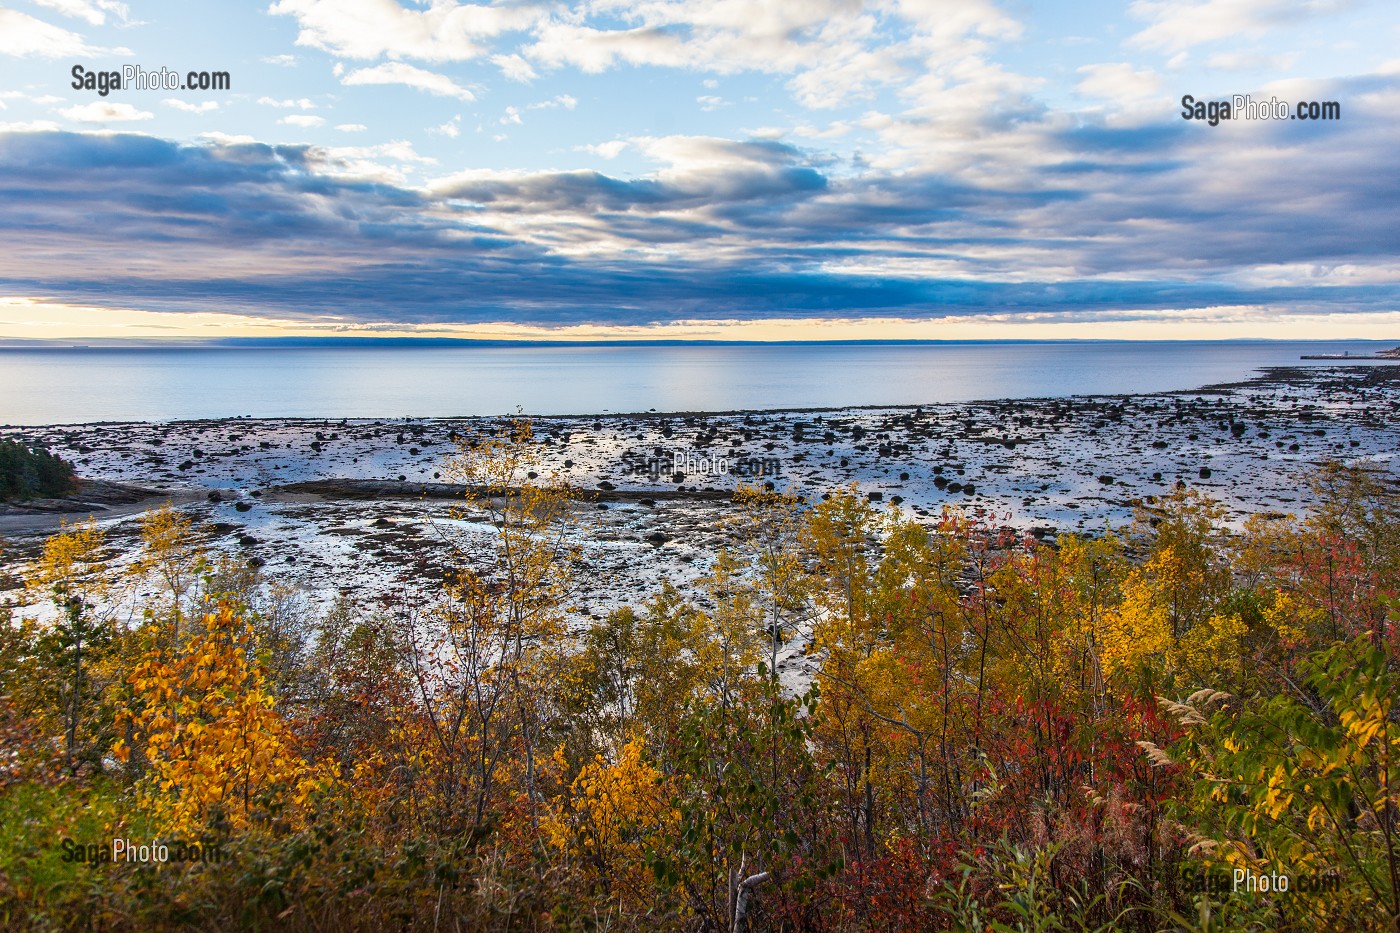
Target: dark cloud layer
(1098,219)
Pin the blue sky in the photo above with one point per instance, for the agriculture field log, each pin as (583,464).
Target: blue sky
(705,168)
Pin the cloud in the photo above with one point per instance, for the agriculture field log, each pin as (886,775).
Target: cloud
(101,111)
(22,35)
(1031,211)
(698,172)
(835,51)
(512,115)
(1118,81)
(369,29)
(514,67)
(288,104)
(567,101)
(351,127)
(1246,61)
(834,130)
(385,163)
(451,129)
(831,52)
(285,60)
(709,102)
(29,126)
(400,73)
(1178,25)
(608,150)
(303,120)
(203,107)
(94,11)
(227,139)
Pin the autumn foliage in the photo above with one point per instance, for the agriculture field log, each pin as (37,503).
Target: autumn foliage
(857,721)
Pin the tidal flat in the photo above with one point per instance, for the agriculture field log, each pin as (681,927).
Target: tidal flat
(358,508)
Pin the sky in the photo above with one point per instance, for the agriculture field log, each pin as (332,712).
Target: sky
(719,169)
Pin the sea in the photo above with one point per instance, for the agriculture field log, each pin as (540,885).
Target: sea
(83,385)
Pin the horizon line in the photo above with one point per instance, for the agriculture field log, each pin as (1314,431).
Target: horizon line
(307,342)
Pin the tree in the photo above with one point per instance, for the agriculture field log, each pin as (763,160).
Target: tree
(28,472)
(613,814)
(174,560)
(74,657)
(218,753)
(839,533)
(769,528)
(481,659)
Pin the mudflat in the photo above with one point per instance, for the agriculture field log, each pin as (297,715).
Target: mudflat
(361,508)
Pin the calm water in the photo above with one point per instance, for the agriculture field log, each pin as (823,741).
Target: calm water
(80,385)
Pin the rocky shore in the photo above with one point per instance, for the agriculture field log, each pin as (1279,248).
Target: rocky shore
(359,507)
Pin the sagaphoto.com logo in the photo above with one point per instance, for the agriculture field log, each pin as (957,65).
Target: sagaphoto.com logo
(1244,107)
(136,78)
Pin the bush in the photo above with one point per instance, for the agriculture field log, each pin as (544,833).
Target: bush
(27,472)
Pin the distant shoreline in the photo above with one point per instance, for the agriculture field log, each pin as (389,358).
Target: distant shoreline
(314,343)
(1390,356)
